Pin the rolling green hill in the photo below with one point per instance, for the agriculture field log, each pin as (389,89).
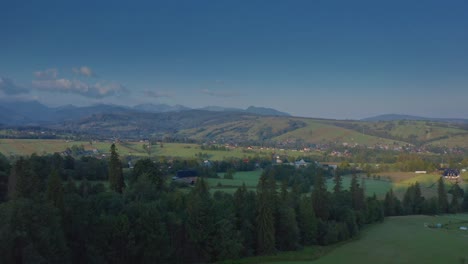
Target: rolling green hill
(247,128)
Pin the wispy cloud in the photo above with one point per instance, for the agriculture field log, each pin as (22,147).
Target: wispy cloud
(9,87)
(97,90)
(48,80)
(84,71)
(48,74)
(156,94)
(220,93)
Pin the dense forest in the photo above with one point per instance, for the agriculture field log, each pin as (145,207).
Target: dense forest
(57,209)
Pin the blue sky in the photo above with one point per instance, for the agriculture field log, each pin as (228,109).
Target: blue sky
(330,59)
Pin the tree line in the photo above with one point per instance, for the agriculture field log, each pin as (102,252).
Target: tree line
(147,218)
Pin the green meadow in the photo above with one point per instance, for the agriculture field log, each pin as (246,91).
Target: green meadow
(22,147)
(250,178)
(405,239)
(379,187)
(401,239)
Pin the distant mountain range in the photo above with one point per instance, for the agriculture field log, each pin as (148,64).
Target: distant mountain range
(396,117)
(19,113)
(254,125)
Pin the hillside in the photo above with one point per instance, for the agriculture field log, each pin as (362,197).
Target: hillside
(256,125)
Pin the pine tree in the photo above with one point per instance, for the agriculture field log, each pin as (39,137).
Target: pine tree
(200,222)
(265,219)
(245,210)
(442,196)
(287,232)
(23,181)
(55,190)
(338,180)
(457,193)
(357,194)
(116,180)
(390,203)
(320,197)
(307,222)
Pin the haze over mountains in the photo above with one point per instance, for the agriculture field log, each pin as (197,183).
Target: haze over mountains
(19,113)
(254,125)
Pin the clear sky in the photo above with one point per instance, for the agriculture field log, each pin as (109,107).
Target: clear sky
(330,59)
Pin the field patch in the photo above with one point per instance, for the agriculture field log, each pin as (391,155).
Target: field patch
(250,178)
(378,186)
(405,239)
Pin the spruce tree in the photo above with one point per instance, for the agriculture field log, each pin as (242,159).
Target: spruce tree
(307,222)
(265,219)
(442,196)
(287,232)
(116,180)
(357,194)
(55,190)
(245,211)
(390,203)
(200,221)
(338,187)
(23,181)
(457,193)
(320,197)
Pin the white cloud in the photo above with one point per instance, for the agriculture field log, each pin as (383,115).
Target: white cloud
(97,90)
(84,71)
(156,94)
(48,74)
(7,86)
(220,93)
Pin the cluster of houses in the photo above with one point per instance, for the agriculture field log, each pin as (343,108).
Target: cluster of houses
(451,173)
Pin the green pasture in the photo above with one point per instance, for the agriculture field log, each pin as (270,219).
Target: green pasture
(22,147)
(401,239)
(406,240)
(378,186)
(250,178)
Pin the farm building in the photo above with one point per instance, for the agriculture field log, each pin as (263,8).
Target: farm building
(187,176)
(451,173)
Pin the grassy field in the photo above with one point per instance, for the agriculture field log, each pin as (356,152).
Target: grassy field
(406,240)
(21,147)
(402,239)
(379,187)
(250,178)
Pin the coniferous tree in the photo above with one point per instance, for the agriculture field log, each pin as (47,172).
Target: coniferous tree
(457,193)
(320,197)
(23,181)
(245,210)
(338,180)
(265,216)
(55,190)
(200,222)
(116,180)
(287,232)
(357,194)
(307,222)
(465,201)
(442,196)
(4,172)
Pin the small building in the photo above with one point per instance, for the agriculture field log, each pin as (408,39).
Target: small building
(420,172)
(451,173)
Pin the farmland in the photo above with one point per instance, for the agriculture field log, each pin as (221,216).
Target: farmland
(21,147)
